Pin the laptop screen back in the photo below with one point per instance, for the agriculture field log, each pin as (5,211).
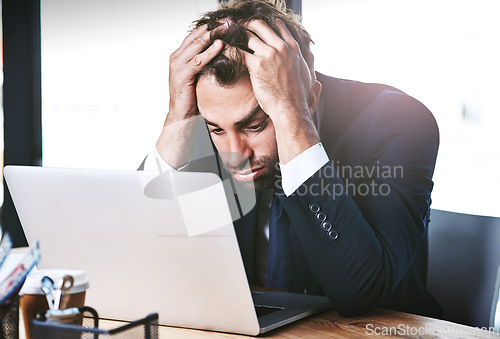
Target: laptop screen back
(175,254)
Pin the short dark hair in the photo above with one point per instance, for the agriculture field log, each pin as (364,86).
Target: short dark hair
(227,70)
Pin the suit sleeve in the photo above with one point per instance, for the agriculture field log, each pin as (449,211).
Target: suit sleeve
(373,209)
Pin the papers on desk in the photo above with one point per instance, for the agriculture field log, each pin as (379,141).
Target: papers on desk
(14,268)
(5,247)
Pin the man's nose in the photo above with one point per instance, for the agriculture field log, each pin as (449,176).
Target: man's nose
(239,151)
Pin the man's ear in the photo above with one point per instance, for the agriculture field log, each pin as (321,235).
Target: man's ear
(314,94)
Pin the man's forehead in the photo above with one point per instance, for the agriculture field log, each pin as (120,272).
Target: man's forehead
(209,79)
(219,103)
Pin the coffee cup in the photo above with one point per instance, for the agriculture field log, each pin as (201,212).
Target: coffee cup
(34,301)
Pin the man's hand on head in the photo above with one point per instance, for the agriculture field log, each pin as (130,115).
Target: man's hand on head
(175,142)
(194,53)
(283,85)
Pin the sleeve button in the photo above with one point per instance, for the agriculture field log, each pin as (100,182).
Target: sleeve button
(333,234)
(321,216)
(326,226)
(314,208)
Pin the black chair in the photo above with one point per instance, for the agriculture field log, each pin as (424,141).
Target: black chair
(464,257)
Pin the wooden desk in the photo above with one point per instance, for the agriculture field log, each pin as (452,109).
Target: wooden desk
(330,324)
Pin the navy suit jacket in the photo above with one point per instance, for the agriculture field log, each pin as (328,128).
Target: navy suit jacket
(375,191)
(380,256)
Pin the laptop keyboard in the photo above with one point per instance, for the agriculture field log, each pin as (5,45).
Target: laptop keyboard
(265,310)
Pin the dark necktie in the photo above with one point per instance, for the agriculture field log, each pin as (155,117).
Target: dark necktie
(283,273)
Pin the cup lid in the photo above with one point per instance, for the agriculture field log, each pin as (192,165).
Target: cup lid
(33,285)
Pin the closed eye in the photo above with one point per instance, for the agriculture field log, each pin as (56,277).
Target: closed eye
(255,127)
(216,131)
(258,127)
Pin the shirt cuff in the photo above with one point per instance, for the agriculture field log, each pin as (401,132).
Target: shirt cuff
(302,167)
(154,162)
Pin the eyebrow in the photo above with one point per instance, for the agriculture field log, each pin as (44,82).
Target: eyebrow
(249,117)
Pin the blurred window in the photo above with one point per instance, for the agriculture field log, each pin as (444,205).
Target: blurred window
(105,77)
(444,53)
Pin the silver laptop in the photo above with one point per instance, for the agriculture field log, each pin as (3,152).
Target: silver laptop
(176,255)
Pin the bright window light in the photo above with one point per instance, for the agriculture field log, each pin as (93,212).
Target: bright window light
(105,77)
(444,53)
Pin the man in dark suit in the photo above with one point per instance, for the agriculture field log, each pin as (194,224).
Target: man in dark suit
(342,169)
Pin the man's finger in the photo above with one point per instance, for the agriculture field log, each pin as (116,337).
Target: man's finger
(248,58)
(285,33)
(309,58)
(264,32)
(256,44)
(195,33)
(198,44)
(202,59)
